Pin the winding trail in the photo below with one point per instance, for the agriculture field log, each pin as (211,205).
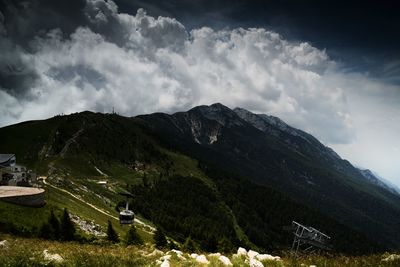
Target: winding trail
(69,142)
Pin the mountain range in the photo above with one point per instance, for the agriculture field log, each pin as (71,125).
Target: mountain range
(222,177)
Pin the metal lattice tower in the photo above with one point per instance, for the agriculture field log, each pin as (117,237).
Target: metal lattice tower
(309,239)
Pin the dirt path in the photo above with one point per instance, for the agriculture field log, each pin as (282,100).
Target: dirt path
(69,142)
(96,208)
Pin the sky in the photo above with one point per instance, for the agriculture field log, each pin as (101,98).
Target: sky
(331,68)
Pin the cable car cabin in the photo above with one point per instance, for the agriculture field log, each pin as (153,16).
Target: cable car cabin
(126,217)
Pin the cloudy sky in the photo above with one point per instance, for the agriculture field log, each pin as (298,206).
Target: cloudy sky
(329,68)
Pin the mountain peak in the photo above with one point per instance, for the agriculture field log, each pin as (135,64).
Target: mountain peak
(219,106)
(377,180)
(218,112)
(263,121)
(216,107)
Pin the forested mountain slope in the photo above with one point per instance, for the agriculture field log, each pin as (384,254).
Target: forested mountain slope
(212,175)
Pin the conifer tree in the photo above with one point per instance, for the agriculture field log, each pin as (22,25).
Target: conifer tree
(67,227)
(225,245)
(111,234)
(54,226)
(159,238)
(132,237)
(44,231)
(189,245)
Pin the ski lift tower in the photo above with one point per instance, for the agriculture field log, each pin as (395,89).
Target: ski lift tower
(309,239)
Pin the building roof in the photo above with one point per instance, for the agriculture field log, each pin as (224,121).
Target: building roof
(5,157)
(14,191)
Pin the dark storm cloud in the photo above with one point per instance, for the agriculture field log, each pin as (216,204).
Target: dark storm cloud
(361,23)
(22,22)
(16,74)
(361,35)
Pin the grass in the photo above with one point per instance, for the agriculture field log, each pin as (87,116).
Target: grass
(25,219)
(340,260)
(29,252)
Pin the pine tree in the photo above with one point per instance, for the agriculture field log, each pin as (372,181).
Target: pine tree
(111,234)
(44,231)
(210,244)
(67,227)
(225,245)
(54,226)
(132,237)
(189,245)
(159,238)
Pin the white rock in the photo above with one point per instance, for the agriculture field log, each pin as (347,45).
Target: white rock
(194,255)
(225,260)
(155,253)
(4,244)
(392,257)
(177,252)
(242,252)
(181,257)
(252,254)
(267,257)
(52,257)
(165,263)
(166,257)
(255,263)
(202,259)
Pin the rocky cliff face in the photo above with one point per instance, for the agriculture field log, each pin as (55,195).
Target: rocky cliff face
(376,180)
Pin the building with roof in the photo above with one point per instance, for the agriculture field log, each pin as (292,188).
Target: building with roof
(7,160)
(13,174)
